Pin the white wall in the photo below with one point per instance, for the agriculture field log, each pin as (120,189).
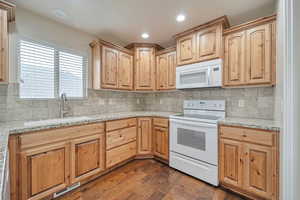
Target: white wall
(39,28)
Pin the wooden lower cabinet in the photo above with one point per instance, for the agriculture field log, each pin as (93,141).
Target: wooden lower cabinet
(161,142)
(249,166)
(44,170)
(144,136)
(120,154)
(87,157)
(161,138)
(231,162)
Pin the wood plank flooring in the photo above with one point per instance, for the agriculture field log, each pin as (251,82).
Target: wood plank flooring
(148,180)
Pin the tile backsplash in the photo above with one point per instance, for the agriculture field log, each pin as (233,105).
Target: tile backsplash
(258,103)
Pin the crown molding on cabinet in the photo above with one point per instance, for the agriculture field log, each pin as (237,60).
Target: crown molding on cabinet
(10,8)
(167,50)
(146,45)
(223,20)
(250,24)
(112,45)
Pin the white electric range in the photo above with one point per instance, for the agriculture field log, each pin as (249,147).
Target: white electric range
(194,139)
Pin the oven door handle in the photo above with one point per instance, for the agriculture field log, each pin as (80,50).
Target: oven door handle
(199,124)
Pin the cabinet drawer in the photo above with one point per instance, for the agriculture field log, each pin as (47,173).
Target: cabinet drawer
(119,124)
(163,122)
(119,154)
(248,135)
(59,134)
(120,137)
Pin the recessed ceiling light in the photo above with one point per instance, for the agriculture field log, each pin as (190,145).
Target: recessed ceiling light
(180,18)
(60,13)
(145,35)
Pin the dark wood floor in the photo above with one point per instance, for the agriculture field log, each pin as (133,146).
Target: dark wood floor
(150,180)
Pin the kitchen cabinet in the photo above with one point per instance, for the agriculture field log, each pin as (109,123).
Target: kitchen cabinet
(201,43)
(144,65)
(121,141)
(112,66)
(235,59)
(144,136)
(161,138)
(250,53)
(249,161)
(44,170)
(109,68)
(125,72)
(48,161)
(166,69)
(209,43)
(186,49)
(87,157)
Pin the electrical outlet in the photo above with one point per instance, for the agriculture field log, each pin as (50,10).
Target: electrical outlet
(241,103)
(138,101)
(101,102)
(161,101)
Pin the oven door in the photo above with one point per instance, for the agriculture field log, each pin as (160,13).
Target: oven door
(195,139)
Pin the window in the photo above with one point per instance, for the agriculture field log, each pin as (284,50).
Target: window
(47,72)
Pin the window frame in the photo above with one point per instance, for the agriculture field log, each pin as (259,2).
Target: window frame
(57,49)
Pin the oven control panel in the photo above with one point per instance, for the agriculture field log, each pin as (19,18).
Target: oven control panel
(218,105)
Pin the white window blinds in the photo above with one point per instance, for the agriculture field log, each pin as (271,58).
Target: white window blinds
(47,72)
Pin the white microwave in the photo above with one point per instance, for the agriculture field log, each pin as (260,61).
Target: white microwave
(199,75)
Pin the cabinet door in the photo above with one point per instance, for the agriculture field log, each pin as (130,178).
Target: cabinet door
(161,142)
(44,170)
(259,170)
(172,70)
(231,162)
(87,157)
(162,72)
(186,49)
(259,59)
(125,71)
(145,69)
(234,69)
(3,45)
(209,43)
(144,135)
(109,68)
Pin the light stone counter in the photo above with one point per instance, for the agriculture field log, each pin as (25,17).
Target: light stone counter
(252,123)
(7,129)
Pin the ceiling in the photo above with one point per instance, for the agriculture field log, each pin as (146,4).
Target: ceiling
(123,21)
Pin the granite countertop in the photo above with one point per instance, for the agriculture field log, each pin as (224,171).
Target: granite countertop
(7,129)
(270,125)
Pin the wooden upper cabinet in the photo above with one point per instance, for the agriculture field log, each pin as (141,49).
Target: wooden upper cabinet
(162,72)
(3,46)
(144,135)
(258,53)
(209,43)
(166,69)
(234,72)
(231,163)
(172,70)
(186,49)
(112,66)
(110,59)
(87,157)
(125,71)
(259,170)
(44,170)
(144,68)
(250,53)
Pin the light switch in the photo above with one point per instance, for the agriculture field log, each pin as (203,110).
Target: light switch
(137,101)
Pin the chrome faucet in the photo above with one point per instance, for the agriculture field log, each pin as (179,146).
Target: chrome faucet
(63,105)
